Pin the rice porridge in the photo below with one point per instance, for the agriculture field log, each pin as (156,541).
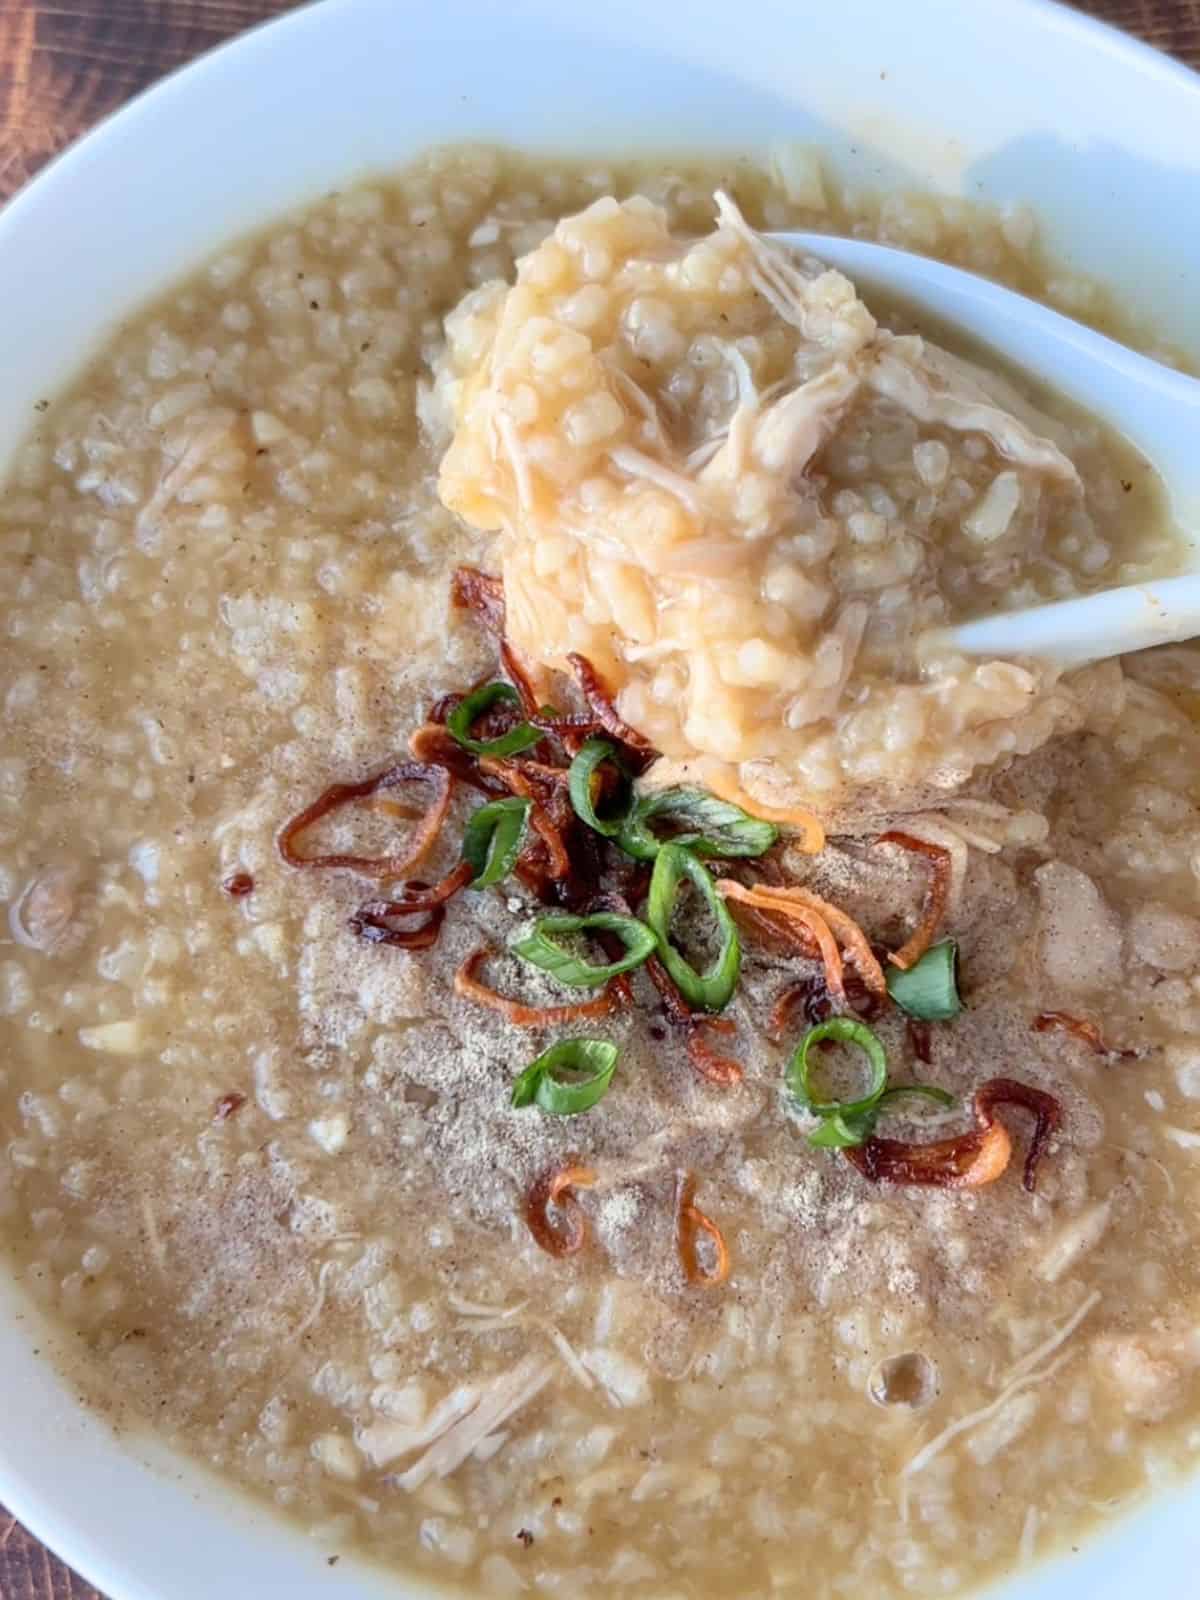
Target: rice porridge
(553,1029)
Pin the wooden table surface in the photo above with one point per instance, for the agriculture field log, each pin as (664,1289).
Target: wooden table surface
(63,65)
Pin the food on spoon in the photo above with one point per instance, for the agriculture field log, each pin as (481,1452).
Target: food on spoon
(716,477)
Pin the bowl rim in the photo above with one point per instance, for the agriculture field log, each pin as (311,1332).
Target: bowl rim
(44,1515)
(1058,15)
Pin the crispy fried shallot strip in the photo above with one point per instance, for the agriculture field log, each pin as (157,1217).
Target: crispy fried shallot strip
(342,794)
(527,779)
(540,775)
(920,1040)
(690,1223)
(809,994)
(416,896)
(483,595)
(556,1187)
(775,901)
(572,729)
(372,924)
(809,827)
(441,708)
(558,862)
(936,896)
(850,936)
(518,676)
(777,931)
(1042,1107)
(676,1007)
(1079,1028)
(709,1064)
(970,1159)
(964,1162)
(480,593)
(600,702)
(228,1106)
(433,744)
(393,808)
(812,995)
(616,993)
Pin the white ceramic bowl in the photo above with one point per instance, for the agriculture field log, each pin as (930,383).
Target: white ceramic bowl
(1000,99)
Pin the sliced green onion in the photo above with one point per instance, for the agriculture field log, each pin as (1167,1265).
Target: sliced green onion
(843,1133)
(468,712)
(710,990)
(592,756)
(540,949)
(493,838)
(929,990)
(848,1123)
(930,1091)
(842,1030)
(541,1084)
(708,826)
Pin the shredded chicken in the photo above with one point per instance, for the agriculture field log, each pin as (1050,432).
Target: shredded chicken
(486,1319)
(903,373)
(785,437)
(203,450)
(457,1426)
(1030,1372)
(933,829)
(384,1442)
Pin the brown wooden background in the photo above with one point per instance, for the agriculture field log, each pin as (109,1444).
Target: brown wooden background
(63,64)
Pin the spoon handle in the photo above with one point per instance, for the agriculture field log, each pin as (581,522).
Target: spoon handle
(1152,404)
(1114,622)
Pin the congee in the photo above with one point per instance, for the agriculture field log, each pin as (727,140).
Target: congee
(554,1027)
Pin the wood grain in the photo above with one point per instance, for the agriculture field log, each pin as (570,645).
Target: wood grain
(64,64)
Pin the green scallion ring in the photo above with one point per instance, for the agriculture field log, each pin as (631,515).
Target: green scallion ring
(713,989)
(468,712)
(843,1133)
(843,1030)
(540,949)
(928,990)
(710,827)
(540,1083)
(592,756)
(928,1091)
(493,838)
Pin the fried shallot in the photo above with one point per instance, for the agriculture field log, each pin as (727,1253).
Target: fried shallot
(708,1063)
(557,1187)
(343,794)
(811,831)
(468,985)
(970,1159)
(690,1224)
(601,704)
(778,902)
(373,924)
(936,897)
(1079,1028)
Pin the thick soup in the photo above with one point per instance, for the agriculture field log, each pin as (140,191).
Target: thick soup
(717,1114)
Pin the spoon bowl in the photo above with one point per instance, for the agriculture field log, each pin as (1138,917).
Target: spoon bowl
(1155,407)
